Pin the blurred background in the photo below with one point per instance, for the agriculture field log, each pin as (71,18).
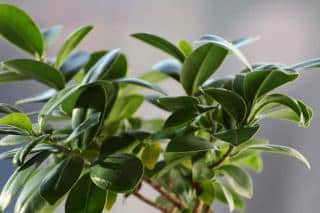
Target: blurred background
(289,31)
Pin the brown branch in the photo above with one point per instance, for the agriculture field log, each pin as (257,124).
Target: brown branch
(207,209)
(198,207)
(169,196)
(149,202)
(221,161)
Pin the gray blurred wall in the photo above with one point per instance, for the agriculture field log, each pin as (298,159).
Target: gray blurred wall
(289,32)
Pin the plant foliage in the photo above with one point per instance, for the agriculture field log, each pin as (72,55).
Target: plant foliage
(86,145)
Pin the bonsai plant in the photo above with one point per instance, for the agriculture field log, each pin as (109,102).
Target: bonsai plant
(85,145)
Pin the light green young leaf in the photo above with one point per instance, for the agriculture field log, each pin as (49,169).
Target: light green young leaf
(72,42)
(18,28)
(17,119)
(186,47)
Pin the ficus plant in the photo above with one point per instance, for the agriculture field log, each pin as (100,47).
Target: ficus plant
(85,146)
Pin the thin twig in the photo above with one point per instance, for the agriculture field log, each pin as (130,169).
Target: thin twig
(221,161)
(198,207)
(149,202)
(169,196)
(207,209)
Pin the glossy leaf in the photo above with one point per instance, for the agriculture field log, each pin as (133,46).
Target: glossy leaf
(42,97)
(117,172)
(11,76)
(200,65)
(11,130)
(141,83)
(180,118)
(74,63)
(18,28)
(237,136)
(169,67)
(188,143)
(39,71)
(230,102)
(279,149)
(17,119)
(85,197)
(7,108)
(11,140)
(239,180)
(161,44)
(186,47)
(71,43)
(61,179)
(50,34)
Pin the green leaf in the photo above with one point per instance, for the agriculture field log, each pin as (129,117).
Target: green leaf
(237,136)
(261,82)
(39,71)
(230,102)
(224,194)
(221,82)
(244,41)
(200,65)
(61,179)
(85,197)
(141,83)
(178,102)
(117,172)
(117,70)
(307,65)
(253,161)
(114,144)
(110,200)
(207,191)
(278,149)
(11,130)
(29,200)
(11,76)
(7,109)
(90,122)
(188,143)
(50,34)
(186,47)
(19,178)
(71,43)
(17,119)
(18,28)
(150,155)
(101,68)
(38,98)
(161,44)
(180,118)
(169,67)
(125,107)
(228,46)
(239,180)
(74,63)
(11,140)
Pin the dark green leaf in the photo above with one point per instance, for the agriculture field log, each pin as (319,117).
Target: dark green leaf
(180,118)
(19,178)
(39,71)
(237,136)
(239,180)
(85,197)
(230,102)
(17,27)
(117,172)
(17,119)
(72,42)
(188,143)
(278,149)
(61,179)
(200,65)
(178,102)
(50,34)
(74,63)
(161,44)
(11,76)
(101,68)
